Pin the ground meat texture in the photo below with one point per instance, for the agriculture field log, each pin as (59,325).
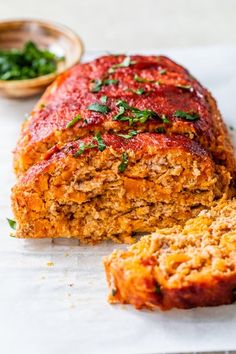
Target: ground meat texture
(132,186)
(145,82)
(182,267)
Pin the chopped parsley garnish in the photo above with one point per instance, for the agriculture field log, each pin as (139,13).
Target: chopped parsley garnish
(191,116)
(73,121)
(42,105)
(103,99)
(124,162)
(124,64)
(141,79)
(83,147)
(138,115)
(96,107)
(101,144)
(12,223)
(185,87)
(162,71)
(158,289)
(139,91)
(130,134)
(165,119)
(97,84)
(113,292)
(160,130)
(27,63)
(110,82)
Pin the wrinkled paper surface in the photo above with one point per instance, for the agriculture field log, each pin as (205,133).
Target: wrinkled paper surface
(53,294)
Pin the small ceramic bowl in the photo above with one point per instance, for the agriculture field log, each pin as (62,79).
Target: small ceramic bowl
(47,35)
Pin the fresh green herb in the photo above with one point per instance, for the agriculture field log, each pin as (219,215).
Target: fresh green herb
(141,79)
(121,103)
(138,116)
(113,292)
(74,121)
(101,144)
(42,105)
(26,116)
(158,289)
(86,121)
(124,162)
(191,116)
(103,99)
(160,130)
(96,107)
(12,223)
(110,82)
(97,84)
(124,64)
(139,91)
(28,63)
(165,119)
(83,147)
(130,134)
(185,87)
(122,107)
(162,71)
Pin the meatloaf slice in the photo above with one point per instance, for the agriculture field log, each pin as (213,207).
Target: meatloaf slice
(181,267)
(116,93)
(112,187)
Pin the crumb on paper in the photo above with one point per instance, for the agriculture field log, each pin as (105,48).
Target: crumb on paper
(71,284)
(50,264)
(66,254)
(43,278)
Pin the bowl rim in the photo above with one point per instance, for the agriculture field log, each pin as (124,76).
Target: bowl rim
(44,79)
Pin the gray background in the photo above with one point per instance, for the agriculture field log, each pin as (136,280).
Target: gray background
(135,24)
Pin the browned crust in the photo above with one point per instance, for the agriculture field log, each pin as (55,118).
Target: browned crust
(161,171)
(183,267)
(214,291)
(209,131)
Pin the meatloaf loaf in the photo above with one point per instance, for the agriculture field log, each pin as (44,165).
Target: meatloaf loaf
(118,146)
(119,93)
(181,267)
(111,187)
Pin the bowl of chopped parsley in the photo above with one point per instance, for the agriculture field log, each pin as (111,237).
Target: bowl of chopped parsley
(33,53)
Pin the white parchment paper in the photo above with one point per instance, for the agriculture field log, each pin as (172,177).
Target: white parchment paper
(62,308)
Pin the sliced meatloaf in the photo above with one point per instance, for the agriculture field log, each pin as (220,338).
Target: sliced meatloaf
(110,186)
(181,267)
(118,93)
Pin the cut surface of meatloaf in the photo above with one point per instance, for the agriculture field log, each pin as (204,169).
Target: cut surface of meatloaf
(144,93)
(111,187)
(180,267)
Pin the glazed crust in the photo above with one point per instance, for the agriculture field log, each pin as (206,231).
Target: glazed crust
(179,267)
(167,180)
(167,87)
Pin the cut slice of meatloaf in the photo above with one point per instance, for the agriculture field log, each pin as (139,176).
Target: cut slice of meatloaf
(112,187)
(181,267)
(118,93)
